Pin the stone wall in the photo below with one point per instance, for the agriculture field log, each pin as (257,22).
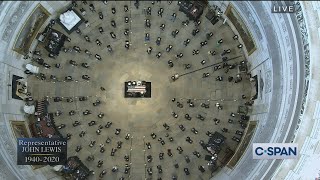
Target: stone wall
(307,135)
(12,17)
(279,64)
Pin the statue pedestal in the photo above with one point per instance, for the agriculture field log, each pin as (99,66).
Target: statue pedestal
(70,20)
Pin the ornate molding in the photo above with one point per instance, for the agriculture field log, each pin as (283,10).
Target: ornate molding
(2,78)
(3,171)
(7,150)
(244,8)
(15,19)
(306,53)
(7,143)
(268,78)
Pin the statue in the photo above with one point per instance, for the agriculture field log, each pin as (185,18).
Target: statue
(69,19)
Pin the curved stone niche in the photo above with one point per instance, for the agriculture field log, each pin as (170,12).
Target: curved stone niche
(30,29)
(241,27)
(15,20)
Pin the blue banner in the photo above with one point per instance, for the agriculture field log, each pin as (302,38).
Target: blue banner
(41,151)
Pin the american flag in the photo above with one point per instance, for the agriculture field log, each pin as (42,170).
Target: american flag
(141,89)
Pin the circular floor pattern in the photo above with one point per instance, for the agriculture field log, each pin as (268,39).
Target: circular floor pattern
(141,117)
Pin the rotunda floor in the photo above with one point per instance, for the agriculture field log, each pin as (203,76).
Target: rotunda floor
(143,116)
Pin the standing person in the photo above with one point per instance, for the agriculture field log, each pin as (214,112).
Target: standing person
(147,37)
(173,17)
(136,4)
(85,65)
(149,50)
(100,15)
(92,8)
(160,12)
(101,30)
(87,23)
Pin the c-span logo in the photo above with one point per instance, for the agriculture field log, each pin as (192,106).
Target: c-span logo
(275,151)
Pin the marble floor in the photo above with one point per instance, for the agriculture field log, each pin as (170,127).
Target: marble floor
(141,117)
